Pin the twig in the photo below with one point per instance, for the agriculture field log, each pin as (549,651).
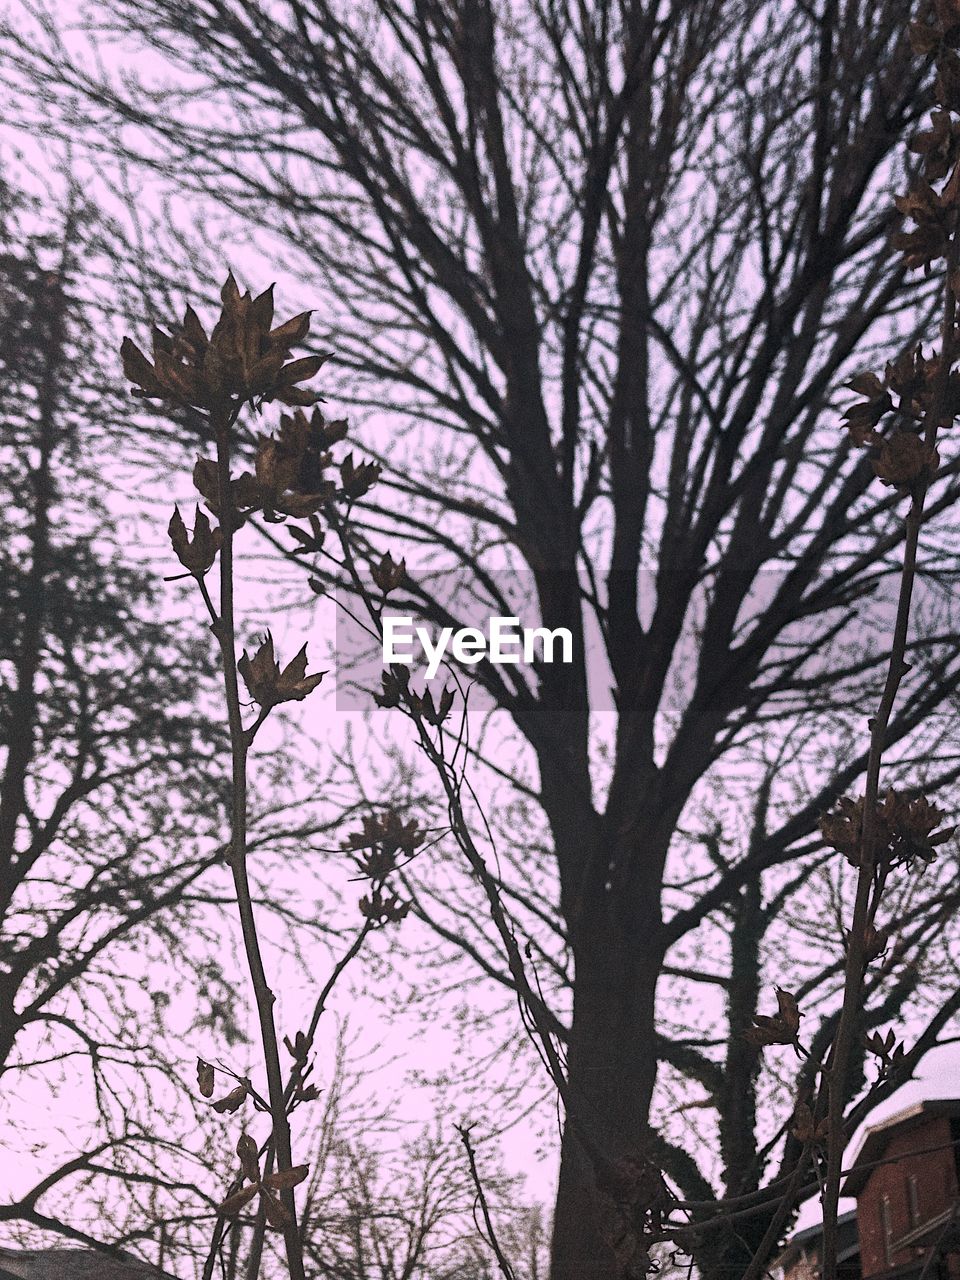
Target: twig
(491,1236)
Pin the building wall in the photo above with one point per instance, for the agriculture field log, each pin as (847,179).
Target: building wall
(802,1268)
(900,1196)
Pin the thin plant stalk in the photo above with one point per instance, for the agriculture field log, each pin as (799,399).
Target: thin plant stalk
(240,738)
(866,901)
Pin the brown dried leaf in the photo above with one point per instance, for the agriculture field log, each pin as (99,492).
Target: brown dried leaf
(205,1074)
(291,331)
(788,1009)
(274,1212)
(866,384)
(295,397)
(230,295)
(261,311)
(138,370)
(193,330)
(300,370)
(284,1179)
(260,672)
(249,1155)
(232,1101)
(233,1204)
(294,684)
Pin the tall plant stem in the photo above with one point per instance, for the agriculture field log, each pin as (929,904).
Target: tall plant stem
(864,908)
(225,629)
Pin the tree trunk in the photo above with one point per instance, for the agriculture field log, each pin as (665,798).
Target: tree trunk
(23,705)
(611,1072)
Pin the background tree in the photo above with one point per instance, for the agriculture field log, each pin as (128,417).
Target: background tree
(383,1204)
(100,860)
(601,270)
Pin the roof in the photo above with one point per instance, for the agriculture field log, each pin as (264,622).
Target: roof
(874,1141)
(810,1236)
(72,1264)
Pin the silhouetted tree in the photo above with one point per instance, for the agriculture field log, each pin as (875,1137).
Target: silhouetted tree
(599,272)
(108,802)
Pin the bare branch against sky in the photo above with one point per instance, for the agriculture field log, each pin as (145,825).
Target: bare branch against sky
(592,280)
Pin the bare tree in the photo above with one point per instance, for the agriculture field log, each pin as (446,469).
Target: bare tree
(97,707)
(399,1212)
(600,271)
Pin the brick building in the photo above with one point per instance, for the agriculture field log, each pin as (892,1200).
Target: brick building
(905,1178)
(801,1258)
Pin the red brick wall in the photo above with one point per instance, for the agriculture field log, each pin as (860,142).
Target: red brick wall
(936,1183)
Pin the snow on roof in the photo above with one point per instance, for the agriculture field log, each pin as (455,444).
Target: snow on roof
(875,1138)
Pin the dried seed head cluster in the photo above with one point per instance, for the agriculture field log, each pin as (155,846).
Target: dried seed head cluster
(197,554)
(904,830)
(886,1048)
(289,477)
(395,682)
(242,359)
(388,574)
(396,691)
(289,467)
(299,1049)
(382,907)
(782,1027)
(384,837)
(805,1128)
(907,393)
(918,396)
